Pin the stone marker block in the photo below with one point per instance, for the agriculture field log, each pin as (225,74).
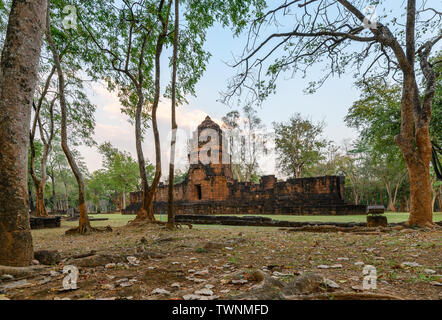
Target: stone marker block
(377,221)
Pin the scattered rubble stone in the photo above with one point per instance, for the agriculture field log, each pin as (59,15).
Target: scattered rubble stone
(429,271)
(7,277)
(410,264)
(204,292)
(192,297)
(161,291)
(331,284)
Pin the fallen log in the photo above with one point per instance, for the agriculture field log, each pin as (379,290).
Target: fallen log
(346,296)
(20,271)
(331,228)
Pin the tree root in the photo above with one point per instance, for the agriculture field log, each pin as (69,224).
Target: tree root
(426,224)
(20,271)
(346,296)
(87,230)
(145,221)
(331,228)
(85,255)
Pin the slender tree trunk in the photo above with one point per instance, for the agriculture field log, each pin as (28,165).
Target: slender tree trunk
(395,195)
(170,208)
(402,206)
(31,199)
(143,213)
(54,197)
(84,224)
(66,197)
(18,77)
(146,211)
(390,206)
(439,200)
(40,183)
(381,195)
(40,209)
(124,199)
(355,193)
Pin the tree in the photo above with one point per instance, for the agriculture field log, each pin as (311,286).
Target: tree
(121,171)
(46,138)
(170,207)
(18,78)
(96,188)
(377,117)
(299,145)
(56,162)
(247,142)
(130,39)
(84,224)
(337,31)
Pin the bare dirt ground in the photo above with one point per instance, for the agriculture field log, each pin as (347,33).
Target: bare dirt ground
(220,261)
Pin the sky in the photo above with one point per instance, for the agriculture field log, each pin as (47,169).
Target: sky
(329,104)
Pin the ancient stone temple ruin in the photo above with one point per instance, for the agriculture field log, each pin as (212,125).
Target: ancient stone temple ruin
(210,188)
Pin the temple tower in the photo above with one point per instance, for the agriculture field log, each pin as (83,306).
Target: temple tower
(210,169)
(208,148)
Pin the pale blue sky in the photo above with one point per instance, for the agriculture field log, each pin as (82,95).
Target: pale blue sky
(330,103)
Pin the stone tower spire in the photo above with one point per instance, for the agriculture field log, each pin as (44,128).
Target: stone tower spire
(209,148)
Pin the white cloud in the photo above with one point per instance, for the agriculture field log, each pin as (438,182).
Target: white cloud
(113,126)
(186,116)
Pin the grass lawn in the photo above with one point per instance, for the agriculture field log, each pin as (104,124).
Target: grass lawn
(117,220)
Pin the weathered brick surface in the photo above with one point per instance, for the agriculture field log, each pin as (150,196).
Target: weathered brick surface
(211,189)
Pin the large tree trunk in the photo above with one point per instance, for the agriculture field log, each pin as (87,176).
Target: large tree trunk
(421,212)
(84,224)
(415,144)
(414,138)
(18,76)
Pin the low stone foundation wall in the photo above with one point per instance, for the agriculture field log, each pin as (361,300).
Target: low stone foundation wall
(45,222)
(256,221)
(256,207)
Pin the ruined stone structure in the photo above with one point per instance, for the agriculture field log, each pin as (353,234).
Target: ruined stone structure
(210,188)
